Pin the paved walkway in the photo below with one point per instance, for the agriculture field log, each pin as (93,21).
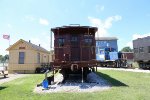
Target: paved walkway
(124,69)
(10,77)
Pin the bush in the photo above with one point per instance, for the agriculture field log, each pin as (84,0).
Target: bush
(135,65)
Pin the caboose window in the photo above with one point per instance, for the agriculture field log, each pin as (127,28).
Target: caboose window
(88,41)
(61,42)
(74,38)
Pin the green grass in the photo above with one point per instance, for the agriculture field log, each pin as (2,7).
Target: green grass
(125,86)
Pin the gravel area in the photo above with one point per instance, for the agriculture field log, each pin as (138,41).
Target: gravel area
(96,84)
(10,77)
(124,69)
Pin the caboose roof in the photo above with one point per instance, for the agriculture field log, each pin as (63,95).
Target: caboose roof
(74,29)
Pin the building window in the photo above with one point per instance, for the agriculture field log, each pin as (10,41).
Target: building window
(101,51)
(135,50)
(21,57)
(38,58)
(148,49)
(141,49)
(96,50)
(61,42)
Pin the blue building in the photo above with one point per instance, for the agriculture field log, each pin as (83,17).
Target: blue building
(106,48)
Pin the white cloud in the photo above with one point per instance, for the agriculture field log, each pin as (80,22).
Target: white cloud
(99,8)
(109,20)
(43,21)
(136,36)
(30,18)
(45,43)
(130,44)
(35,40)
(103,25)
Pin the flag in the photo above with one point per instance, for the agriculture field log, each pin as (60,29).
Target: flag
(6,36)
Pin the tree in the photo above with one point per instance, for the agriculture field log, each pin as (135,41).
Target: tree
(126,49)
(1,57)
(6,57)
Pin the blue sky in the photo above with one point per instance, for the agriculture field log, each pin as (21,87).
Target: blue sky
(32,19)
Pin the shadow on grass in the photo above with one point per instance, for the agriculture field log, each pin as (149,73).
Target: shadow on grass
(113,81)
(1,87)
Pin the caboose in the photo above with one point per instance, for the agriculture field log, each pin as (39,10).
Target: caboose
(74,50)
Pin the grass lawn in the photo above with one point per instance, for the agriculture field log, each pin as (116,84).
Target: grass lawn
(125,86)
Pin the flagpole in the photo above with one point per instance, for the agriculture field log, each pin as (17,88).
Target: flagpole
(9,40)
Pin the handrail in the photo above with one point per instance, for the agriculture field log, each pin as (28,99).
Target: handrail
(74,24)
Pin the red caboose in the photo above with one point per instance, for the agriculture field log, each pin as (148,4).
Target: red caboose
(74,49)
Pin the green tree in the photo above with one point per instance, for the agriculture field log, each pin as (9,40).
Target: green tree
(6,57)
(1,57)
(126,49)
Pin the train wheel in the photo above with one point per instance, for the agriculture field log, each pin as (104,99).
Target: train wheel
(141,65)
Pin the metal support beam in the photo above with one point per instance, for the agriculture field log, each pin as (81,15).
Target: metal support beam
(82,74)
(53,74)
(96,68)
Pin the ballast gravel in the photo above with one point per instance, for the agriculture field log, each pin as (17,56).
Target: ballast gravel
(96,83)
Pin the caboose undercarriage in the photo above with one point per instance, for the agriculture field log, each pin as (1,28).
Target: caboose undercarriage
(75,68)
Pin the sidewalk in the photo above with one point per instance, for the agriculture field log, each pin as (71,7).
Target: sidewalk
(11,77)
(124,69)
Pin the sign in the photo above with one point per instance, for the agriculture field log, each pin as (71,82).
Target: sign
(21,47)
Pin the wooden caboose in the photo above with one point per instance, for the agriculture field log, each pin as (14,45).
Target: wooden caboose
(74,49)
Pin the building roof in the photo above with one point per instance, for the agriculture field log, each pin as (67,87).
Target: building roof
(35,47)
(148,37)
(106,38)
